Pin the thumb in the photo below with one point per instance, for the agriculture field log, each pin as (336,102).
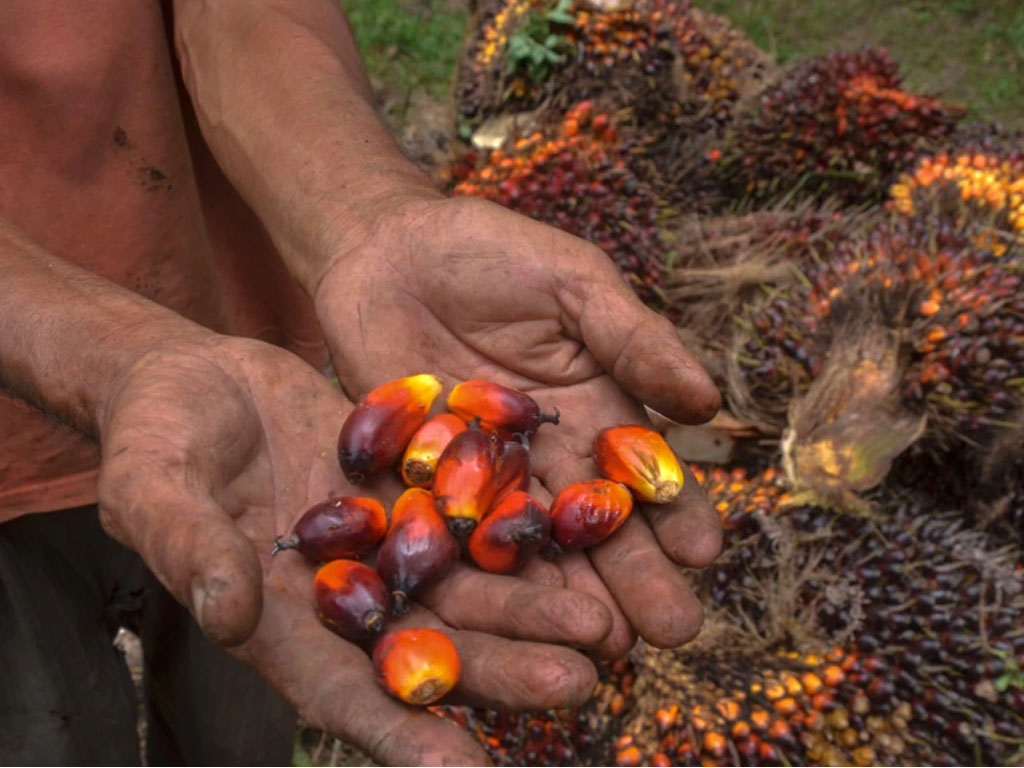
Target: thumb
(196,551)
(639,348)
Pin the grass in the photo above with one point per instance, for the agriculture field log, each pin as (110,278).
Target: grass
(967,51)
(409,45)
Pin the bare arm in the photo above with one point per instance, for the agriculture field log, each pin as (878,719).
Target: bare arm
(285,105)
(66,335)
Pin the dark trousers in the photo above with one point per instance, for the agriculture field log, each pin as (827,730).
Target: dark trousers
(66,695)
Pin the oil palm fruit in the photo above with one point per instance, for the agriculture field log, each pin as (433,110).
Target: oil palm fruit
(516,529)
(351,600)
(376,433)
(341,527)
(426,447)
(498,409)
(639,458)
(584,514)
(418,549)
(418,666)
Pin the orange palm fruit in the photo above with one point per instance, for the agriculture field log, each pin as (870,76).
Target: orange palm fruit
(502,410)
(516,529)
(586,513)
(426,447)
(418,549)
(351,599)
(464,480)
(376,432)
(345,526)
(511,471)
(639,458)
(418,666)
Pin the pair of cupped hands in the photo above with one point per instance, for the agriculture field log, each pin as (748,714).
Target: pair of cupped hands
(214,445)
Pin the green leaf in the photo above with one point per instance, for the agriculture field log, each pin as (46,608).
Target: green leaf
(1003,682)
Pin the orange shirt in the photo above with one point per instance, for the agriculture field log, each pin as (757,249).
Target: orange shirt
(102,163)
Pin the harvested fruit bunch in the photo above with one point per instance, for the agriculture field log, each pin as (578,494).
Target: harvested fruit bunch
(911,313)
(840,124)
(576,178)
(655,52)
(926,611)
(980,190)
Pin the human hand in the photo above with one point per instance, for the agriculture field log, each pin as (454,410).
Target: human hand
(211,448)
(463,288)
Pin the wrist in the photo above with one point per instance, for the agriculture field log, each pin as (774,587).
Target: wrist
(385,220)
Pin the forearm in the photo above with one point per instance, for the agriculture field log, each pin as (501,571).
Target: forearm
(285,106)
(66,335)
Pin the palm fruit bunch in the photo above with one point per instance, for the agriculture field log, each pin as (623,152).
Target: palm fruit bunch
(861,334)
(833,638)
(978,186)
(838,124)
(576,176)
(525,52)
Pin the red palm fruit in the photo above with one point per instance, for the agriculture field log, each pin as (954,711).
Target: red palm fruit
(345,526)
(515,530)
(503,410)
(512,470)
(586,513)
(418,549)
(426,447)
(418,666)
(377,431)
(351,600)
(464,480)
(639,458)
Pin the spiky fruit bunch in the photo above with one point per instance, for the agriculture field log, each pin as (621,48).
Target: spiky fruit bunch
(979,189)
(907,626)
(949,311)
(838,124)
(576,177)
(660,51)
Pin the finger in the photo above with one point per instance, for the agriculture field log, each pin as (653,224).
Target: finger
(192,546)
(649,588)
(688,529)
(498,673)
(653,591)
(581,577)
(334,687)
(515,608)
(639,348)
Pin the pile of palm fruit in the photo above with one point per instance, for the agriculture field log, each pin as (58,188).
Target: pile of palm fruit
(847,259)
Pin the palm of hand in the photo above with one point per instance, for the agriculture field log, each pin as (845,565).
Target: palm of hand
(473,291)
(213,449)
